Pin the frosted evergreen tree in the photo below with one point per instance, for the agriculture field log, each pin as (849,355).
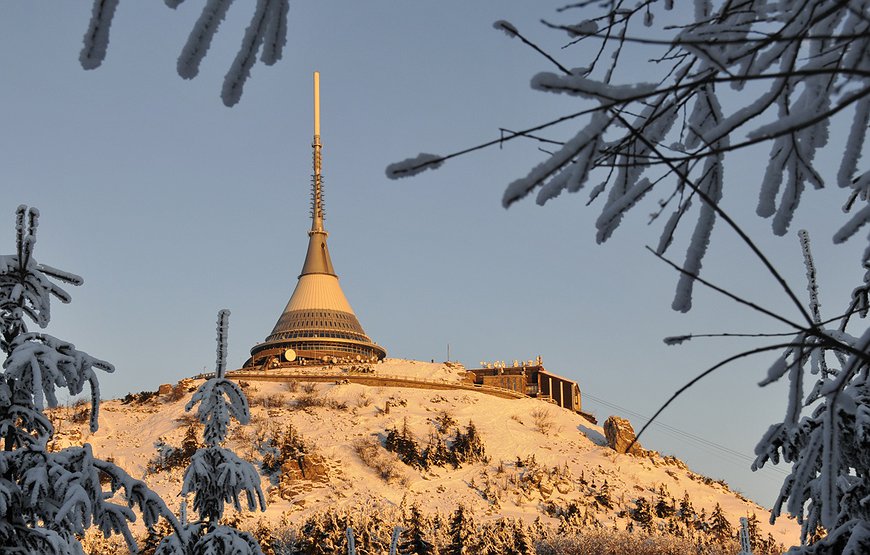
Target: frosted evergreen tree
(322,533)
(217,476)
(791,67)
(415,540)
(493,538)
(461,532)
(829,483)
(49,499)
(522,542)
(642,514)
(719,525)
(265,538)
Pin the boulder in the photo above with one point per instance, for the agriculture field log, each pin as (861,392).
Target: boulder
(299,475)
(308,467)
(564,486)
(620,435)
(546,486)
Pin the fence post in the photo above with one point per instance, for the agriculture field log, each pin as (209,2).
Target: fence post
(394,543)
(351,545)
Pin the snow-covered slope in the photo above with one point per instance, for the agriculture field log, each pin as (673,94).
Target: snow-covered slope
(541,459)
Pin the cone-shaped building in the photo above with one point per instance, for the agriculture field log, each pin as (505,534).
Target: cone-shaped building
(318,323)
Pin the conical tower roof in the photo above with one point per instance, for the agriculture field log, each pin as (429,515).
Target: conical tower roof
(318,322)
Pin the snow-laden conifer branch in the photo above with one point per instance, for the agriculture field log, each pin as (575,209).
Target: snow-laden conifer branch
(811,53)
(199,40)
(268,28)
(240,70)
(714,206)
(725,292)
(276,32)
(96,39)
(217,476)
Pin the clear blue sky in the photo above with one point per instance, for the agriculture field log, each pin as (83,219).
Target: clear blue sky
(172,206)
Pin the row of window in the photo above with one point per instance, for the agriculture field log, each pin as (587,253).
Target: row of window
(304,334)
(335,314)
(324,319)
(327,348)
(320,324)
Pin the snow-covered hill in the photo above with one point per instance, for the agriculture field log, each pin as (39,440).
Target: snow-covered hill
(540,461)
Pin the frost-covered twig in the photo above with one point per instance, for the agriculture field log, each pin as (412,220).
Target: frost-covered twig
(726,44)
(710,370)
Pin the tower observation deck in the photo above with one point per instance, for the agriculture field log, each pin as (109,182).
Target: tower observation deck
(318,323)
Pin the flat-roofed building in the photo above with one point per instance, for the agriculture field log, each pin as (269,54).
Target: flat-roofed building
(535,381)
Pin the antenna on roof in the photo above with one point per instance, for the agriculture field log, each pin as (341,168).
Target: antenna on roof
(316,180)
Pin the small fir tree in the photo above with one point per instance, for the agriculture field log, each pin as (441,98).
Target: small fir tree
(686,513)
(415,540)
(664,506)
(461,532)
(522,542)
(719,525)
(265,537)
(322,533)
(603,496)
(216,475)
(752,527)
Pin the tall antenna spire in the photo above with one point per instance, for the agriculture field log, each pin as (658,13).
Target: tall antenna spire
(316,181)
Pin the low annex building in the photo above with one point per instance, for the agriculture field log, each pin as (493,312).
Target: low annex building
(533,380)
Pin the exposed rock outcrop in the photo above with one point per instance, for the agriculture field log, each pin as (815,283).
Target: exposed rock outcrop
(310,467)
(620,435)
(299,475)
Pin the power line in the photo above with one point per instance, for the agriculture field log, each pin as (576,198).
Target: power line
(724,452)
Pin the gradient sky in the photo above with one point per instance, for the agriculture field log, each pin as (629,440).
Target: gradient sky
(172,206)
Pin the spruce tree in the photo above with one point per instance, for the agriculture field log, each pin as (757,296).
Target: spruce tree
(719,525)
(664,506)
(461,532)
(265,537)
(493,539)
(216,475)
(686,512)
(522,543)
(48,499)
(603,496)
(415,540)
(752,526)
(642,514)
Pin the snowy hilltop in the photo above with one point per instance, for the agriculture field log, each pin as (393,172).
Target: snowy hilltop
(344,453)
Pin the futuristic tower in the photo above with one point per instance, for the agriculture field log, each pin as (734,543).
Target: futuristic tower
(318,323)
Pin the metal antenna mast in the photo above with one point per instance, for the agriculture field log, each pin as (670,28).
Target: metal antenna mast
(316,180)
